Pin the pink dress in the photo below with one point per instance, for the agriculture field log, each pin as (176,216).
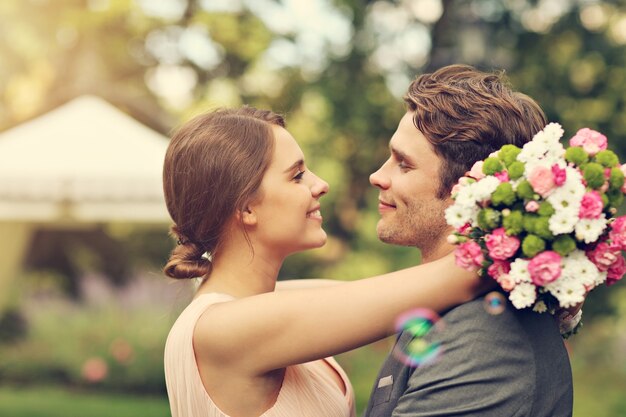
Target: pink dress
(308,389)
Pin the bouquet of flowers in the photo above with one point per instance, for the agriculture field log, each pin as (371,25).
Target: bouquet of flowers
(541,220)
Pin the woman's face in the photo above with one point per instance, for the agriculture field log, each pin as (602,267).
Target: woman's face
(288,217)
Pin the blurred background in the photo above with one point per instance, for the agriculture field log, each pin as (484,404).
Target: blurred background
(90,89)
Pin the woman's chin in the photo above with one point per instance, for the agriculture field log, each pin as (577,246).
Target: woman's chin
(317,242)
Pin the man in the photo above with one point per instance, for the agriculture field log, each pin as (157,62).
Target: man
(495,365)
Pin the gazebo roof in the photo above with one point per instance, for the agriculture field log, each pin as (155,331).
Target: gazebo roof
(83,161)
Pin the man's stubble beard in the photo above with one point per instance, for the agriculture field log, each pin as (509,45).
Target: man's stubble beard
(422,226)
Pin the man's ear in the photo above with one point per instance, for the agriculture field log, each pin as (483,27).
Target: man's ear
(248,216)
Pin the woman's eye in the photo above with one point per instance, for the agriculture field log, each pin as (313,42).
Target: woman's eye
(299,176)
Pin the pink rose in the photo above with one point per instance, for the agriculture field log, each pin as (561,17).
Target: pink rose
(506,282)
(503,176)
(469,255)
(498,268)
(560,175)
(591,206)
(545,267)
(603,256)
(618,233)
(591,141)
(616,270)
(465,229)
(476,171)
(532,206)
(500,245)
(542,180)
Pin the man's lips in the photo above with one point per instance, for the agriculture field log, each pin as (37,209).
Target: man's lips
(384,206)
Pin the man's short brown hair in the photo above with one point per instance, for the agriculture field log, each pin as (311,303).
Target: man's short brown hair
(466,114)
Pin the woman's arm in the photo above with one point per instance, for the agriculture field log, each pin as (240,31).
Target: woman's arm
(270,331)
(298,284)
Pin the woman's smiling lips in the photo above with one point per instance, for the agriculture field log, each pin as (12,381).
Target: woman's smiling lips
(314,214)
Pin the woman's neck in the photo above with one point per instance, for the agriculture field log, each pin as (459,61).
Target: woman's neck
(238,272)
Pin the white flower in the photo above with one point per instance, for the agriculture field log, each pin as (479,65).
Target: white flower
(576,266)
(590,230)
(555,152)
(563,221)
(577,255)
(567,196)
(523,295)
(532,152)
(600,278)
(485,187)
(569,292)
(519,271)
(574,176)
(466,196)
(543,140)
(545,146)
(554,131)
(458,215)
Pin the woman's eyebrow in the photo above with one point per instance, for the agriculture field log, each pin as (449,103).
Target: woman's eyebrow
(296,164)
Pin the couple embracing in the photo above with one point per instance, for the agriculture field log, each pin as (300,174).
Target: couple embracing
(242,199)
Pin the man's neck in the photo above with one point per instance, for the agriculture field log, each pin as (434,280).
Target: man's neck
(437,251)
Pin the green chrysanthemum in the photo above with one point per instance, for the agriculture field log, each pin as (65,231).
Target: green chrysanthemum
(607,158)
(616,180)
(516,170)
(563,244)
(513,223)
(545,209)
(492,165)
(576,155)
(488,219)
(525,190)
(503,194)
(529,221)
(542,228)
(508,154)
(594,175)
(532,245)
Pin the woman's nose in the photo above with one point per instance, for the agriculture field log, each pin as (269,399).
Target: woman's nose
(319,188)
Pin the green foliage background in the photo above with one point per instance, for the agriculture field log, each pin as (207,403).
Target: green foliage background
(342,104)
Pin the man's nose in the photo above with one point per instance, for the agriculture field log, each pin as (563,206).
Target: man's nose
(379,179)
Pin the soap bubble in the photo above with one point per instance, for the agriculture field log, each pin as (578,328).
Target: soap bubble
(420,350)
(495,303)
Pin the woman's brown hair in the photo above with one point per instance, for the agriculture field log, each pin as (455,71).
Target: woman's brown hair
(467,114)
(213,166)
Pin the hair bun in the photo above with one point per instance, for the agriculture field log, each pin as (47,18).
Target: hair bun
(186,260)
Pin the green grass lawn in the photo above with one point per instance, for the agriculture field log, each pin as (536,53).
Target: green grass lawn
(57,402)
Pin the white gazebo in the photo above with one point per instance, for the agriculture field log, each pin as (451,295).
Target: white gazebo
(85,162)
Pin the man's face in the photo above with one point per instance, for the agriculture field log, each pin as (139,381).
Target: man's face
(411,213)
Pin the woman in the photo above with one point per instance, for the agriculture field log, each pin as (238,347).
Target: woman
(242,199)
